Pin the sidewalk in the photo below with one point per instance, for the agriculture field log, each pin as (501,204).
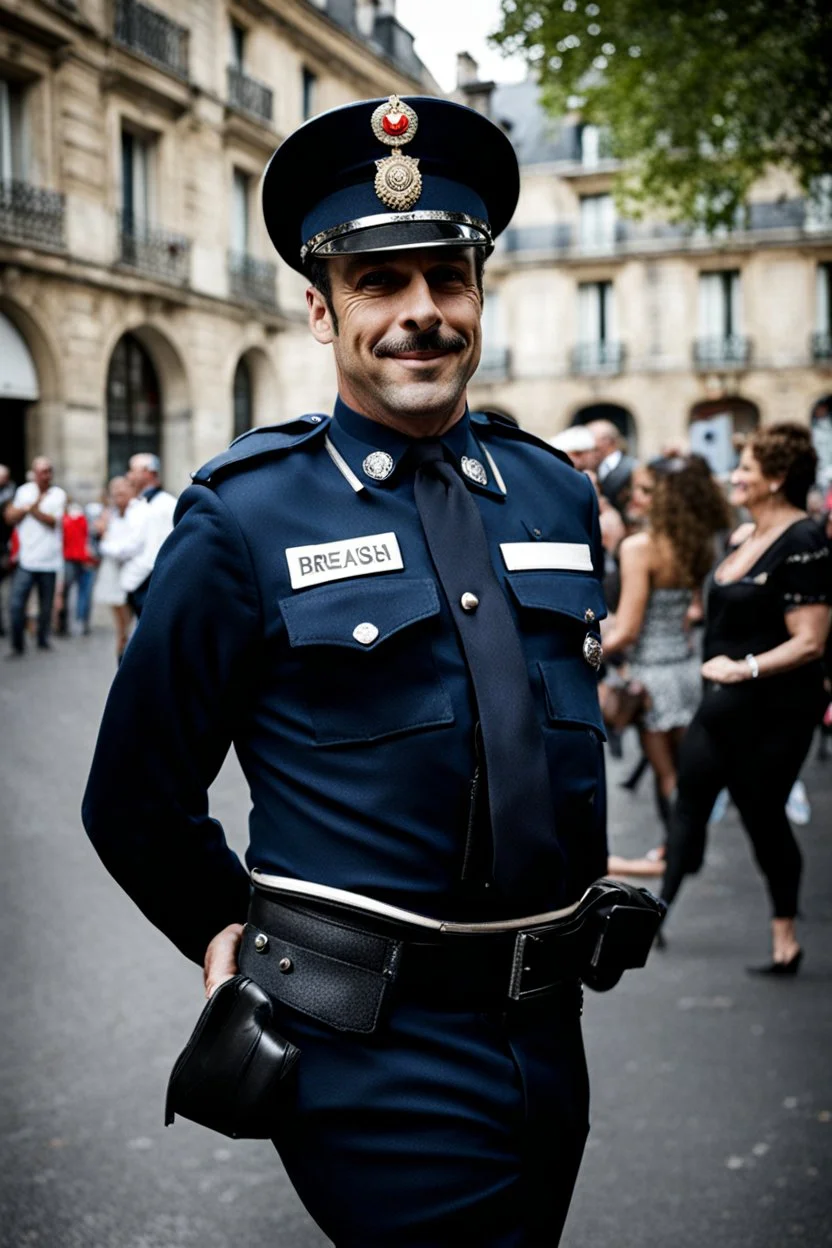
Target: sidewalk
(712,1092)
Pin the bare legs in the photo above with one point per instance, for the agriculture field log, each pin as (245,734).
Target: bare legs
(121,619)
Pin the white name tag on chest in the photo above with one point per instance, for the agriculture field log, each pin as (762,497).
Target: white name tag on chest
(335,561)
(540,556)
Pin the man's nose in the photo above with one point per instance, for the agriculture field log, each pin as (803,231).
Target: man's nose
(418,308)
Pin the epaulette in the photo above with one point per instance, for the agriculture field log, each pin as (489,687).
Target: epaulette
(259,443)
(506,427)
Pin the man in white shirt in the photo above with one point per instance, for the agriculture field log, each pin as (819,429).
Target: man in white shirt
(614,468)
(151,523)
(37,511)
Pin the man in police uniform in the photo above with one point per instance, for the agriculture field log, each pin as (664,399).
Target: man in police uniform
(391,612)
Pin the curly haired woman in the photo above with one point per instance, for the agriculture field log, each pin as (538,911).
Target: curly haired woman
(662,570)
(768,618)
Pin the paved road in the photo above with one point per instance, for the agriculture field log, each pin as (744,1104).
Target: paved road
(712,1092)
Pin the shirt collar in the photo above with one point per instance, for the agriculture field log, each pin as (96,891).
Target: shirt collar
(609,462)
(374,451)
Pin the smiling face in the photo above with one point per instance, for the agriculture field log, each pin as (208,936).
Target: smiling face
(407,336)
(750,487)
(641,493)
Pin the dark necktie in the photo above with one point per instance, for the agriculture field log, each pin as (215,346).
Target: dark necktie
(528,863)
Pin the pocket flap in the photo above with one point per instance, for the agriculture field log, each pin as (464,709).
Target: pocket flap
(360,615)
(568,593)
(572,694)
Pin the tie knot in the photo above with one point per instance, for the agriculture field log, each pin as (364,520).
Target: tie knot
(426,451)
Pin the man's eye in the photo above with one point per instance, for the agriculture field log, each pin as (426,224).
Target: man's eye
(446,275)
(380,278)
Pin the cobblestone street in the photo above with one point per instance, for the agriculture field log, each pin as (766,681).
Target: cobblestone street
(712,1091)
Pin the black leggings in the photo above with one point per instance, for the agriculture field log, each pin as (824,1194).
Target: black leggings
(757,758)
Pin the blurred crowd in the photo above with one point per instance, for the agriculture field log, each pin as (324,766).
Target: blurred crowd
(70,557)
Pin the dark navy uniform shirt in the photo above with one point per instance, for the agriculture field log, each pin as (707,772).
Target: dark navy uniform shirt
(338,675)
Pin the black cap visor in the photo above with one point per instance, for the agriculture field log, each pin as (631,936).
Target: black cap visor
(398,234)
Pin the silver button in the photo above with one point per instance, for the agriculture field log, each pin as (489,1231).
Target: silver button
(378,465)
(261,942)
(589,615)
(537,532)
(474,470)
(314,420)
(593,651)
(469,602)
(285,965)
(366,633)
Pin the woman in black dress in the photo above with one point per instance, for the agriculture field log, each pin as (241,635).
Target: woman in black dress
(767,620)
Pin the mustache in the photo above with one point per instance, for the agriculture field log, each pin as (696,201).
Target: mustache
(430,340)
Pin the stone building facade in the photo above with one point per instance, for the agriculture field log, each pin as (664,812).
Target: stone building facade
(680,338)
(141,304)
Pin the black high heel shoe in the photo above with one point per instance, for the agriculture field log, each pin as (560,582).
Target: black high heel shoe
(779,968)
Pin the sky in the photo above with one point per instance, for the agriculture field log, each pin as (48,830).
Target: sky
(444,27)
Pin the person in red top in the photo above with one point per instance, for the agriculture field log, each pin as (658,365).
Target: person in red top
(79,570)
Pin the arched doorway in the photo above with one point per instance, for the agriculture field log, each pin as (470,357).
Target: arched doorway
(718,428)
(821,421)
(620,417)
(134,406)
(18,388)
(243,398)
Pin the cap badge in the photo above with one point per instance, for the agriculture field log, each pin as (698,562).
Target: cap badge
(398,182)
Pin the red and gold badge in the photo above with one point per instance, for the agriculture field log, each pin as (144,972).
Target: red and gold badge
(398,182)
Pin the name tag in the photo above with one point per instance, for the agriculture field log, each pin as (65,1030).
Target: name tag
(335,561)
(535,556)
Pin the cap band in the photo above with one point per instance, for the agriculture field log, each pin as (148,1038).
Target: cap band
(369,233)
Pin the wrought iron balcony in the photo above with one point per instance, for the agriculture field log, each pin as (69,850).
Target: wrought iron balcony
(590,358)
(251,279)
(29,214)
(494,365)
(822,346)
(155,252)
(729,351)
(248,94)
(144,29)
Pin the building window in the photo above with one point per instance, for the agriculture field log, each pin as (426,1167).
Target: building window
(590,143)
(309,85)
(721,340)
(819,204)
(240,187)
(12,146)
(822,337)
(134,410)
(136,175)
(237,45)
(243,413)
(598,348)
(494,360)
(597,220)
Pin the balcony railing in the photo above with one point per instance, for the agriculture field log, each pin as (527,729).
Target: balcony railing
(494,365)
(822,346)
(597,357)
(144,29)
(729,351)
(248,94)
(29,214)
(252,279)
(155,252)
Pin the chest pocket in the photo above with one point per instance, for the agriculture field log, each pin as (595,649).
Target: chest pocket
(368,670)
(557,610)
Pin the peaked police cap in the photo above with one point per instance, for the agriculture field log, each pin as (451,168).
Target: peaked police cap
(388,174)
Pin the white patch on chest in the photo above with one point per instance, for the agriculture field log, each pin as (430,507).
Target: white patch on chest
(336,561)
(538,556)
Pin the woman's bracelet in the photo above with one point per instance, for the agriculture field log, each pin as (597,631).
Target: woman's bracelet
(753,665)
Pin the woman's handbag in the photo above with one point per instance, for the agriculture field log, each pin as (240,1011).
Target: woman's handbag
(622,701)
(231,1073)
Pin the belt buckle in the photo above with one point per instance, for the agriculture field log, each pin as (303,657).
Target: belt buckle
(524,964)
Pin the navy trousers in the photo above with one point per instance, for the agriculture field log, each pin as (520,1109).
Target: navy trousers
(441,1129)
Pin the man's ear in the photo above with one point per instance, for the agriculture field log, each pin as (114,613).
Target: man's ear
(320,317)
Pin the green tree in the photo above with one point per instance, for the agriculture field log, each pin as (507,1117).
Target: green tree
(699,96)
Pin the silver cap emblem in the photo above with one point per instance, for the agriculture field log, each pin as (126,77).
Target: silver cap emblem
(365,633)
(593,651)
(474,470)
(378,465)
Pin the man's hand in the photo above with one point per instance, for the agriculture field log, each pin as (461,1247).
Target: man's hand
(221,957)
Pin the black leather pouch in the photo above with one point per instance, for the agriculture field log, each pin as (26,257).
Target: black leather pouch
(623,928)
(233,1071)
